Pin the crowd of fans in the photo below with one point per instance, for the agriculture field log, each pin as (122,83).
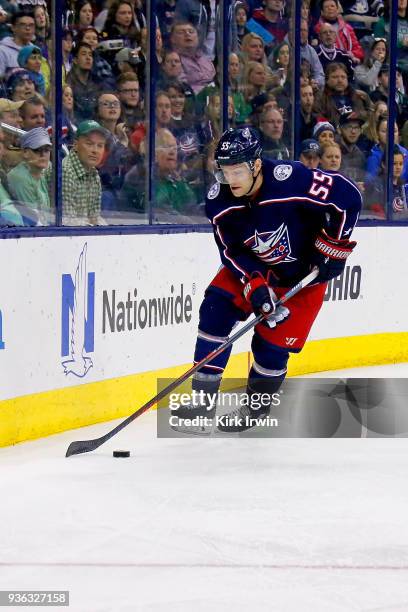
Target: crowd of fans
(343,99)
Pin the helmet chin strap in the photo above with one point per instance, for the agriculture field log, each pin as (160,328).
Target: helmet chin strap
(254,177)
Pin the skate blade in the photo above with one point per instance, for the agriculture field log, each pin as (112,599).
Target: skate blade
(193,431)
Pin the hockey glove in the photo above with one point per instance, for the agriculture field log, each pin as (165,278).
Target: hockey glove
(263,300)
(330,256)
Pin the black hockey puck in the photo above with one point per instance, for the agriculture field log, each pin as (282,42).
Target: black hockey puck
(121,453)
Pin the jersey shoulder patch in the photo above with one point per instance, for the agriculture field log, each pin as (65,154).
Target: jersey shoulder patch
(214,191)
(282,172)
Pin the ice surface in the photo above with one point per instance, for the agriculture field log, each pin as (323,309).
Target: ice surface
(198,524)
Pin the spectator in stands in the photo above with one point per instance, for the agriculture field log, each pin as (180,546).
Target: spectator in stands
(9,215)
(353,159)
(9,114)
(308,118)
(242,108)
(253,49)
(271,129)
(117,159)
(254,81)
(30,58)
(81,185)
(241,19)
(163,110)
(171,68)
(271,18)
(279,61)
(369,129)
(339,97)
(67,44)
(381,92)
(84,16)
(172,194)
(324,133)
(211,128)
(309,57)
(366,73)
(101,69)
(42,29)
(29,181)
(330,157)
(33,114)
(19,85)
(345,38)
(374,159)
(310,153)
(129,95)
(196,12)
(85,88)
(68,120)
(198,69)
(328,53)
(120,24)
(382,29)
(179,112)
(165,10)
(23,26)
(375,196)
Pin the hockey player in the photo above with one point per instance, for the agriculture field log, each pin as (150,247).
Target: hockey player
(272,222)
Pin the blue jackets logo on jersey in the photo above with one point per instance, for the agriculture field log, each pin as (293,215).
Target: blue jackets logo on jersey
(272,247)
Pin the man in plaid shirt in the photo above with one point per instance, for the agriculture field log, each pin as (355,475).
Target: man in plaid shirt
(81,185)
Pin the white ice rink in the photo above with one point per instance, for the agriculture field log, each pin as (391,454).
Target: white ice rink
(192,525)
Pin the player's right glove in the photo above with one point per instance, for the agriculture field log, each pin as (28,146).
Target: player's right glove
(263,300)
(330,256)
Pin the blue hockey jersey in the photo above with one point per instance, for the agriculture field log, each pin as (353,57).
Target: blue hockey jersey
(276,230)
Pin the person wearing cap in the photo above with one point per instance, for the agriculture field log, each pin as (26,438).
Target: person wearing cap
(324,132)
(310,153)
(9,215)
(29,181)
(23,26)
(353,160)
(81,184)
(30,59)
(10,115)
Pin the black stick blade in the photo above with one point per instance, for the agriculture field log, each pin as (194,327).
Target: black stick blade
(85,446)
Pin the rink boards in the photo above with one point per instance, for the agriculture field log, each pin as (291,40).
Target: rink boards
(87,324)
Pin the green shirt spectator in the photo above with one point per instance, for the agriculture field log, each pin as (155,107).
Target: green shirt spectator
(29,181)
(9,215)
(81,185)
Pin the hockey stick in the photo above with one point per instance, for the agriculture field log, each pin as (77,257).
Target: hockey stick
(85,446)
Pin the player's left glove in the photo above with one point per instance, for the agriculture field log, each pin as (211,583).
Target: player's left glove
(330,256)
(263,300)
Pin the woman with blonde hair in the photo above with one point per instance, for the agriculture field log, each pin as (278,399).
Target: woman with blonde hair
(369,129)
(256,80)
(330,157)
(253,49)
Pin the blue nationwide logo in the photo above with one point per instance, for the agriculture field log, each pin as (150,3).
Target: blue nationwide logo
(78,319)
(2,343)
